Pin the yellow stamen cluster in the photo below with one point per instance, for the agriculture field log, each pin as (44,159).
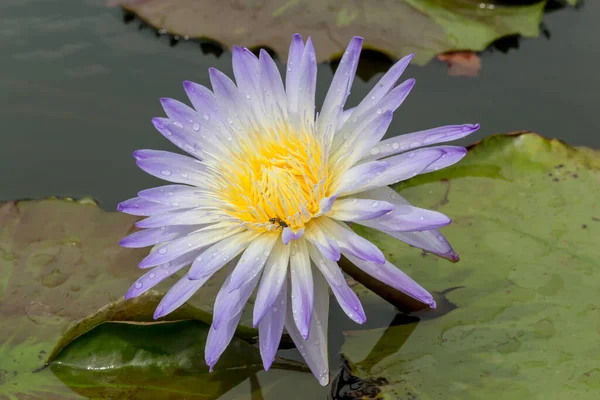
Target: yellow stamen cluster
(275,179)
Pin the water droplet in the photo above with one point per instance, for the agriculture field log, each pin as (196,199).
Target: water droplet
(289,69)
(248,96)
(422,218)
(138,285)
(372,97)
(375,204)
(175,204)
(395,146)
(414,144)
(168,132)
(185,175)
(274,309)
(379,111)
(166,265)
(196,126)
(206,117)
(374,151)
(152,275)
(162,250)
(411,155)
(266,253)
(166,172)
(178,124)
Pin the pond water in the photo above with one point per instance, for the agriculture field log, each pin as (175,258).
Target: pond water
(79,86)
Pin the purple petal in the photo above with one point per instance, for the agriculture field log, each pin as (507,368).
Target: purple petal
(406,218)
(231,105)
(218,339)
(273,278)
(288,235)
(302,287)
(142,207)
(245,70)
(216,256)
(179,293)
(180,196)
(180,217)
(408,141)
(452,155)
(360,176)
(158,274)
(202,98)
(294,72)
(331,111)
(171,250)
(401,167)
(396,97)
(181,113)
(351,243)
(175,168)
(359,209)
(328,247)
(308,82)
(231,302)
(346,115)
(392,276)
(432,241)
(270,327)
(192,140)
(313,349)
(345,296)
(252,261)
(150,237)
(325,205)
(274,96)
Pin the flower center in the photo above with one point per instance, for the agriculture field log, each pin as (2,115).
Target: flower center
(275,180)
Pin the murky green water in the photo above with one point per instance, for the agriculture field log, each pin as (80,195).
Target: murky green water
(79,86)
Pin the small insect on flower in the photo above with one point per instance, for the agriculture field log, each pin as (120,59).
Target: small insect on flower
(258,149)
(280,224)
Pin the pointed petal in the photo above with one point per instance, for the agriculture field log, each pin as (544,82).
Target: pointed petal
(219,338)
(175,168)
(394,277)
(345,296)
(401,143)
(288,235)
(142,207)
(302,287)
(151,237)
(401,167)
(452,155)
(173,249)
(158,274)
(359,176)
(219,254)
(327,246)
(181,217)
(274,96)
(231,301)
(270,327)
(253,260)
(350,242)
(273,278)
(308,82)
(333,105)
(351,209)
(314,349)
(406,218)
(177,295)
(294,72)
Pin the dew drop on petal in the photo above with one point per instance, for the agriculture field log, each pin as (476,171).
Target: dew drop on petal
(379,111)
(395,146)
(162,250)
(375,204)
(165,172)
(152,275)
(248,96)
(196,126)
(138,285)
(411,155)
(414,144)
(374,151)
(422,218)
(178,124)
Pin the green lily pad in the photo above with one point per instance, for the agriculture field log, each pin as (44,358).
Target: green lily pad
(62,273)
(160,360)
(394,27)
(526,315)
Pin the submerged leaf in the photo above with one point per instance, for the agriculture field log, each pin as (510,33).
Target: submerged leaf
(525,298)
(159,360)
(394,27)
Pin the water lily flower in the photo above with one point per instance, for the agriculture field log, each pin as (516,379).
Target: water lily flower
(269,189)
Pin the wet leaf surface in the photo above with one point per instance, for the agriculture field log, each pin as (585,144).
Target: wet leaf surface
(393,27)
(155,361)
(523,317)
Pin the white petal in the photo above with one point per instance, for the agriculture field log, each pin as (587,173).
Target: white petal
(302,286)
(270,327)
(273,278)
(253,260)
(359,209)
